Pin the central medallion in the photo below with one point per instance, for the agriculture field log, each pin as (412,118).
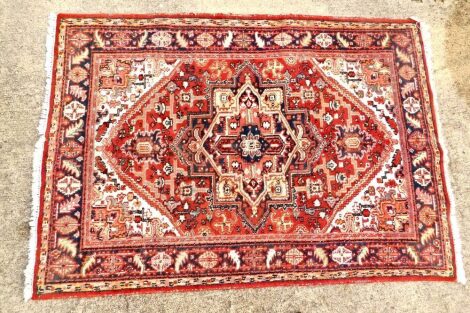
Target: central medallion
(250,142)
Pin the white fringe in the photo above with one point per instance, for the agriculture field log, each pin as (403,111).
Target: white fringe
(37,160)
(426,37)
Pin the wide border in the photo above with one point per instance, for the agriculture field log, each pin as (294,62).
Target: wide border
(39,173)
(444,162)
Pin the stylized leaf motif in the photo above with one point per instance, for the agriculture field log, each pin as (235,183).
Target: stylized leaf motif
(71,167)
(99,42)
(362,254)
(78,92)
(423,196)
(68,246)
(70,204)
(428,235)
(259,41)
(385,41)
(415,122)
(143,40)
(89,261)
(235,257)
(321,255)
(420,158)
(74,129)
(407,89)
(270,257)
(402,56)
(181,40)
(413,254)
(180,259)
(228,40)
(137,260)
(343,41)
(81,56)
(306,39)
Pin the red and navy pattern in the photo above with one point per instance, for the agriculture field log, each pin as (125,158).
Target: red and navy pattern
(226,238)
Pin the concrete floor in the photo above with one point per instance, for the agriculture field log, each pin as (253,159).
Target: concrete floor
(22,53)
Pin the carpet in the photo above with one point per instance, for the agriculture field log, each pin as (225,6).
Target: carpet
(186,152)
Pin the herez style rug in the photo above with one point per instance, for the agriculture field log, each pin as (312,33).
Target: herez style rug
(187,152)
